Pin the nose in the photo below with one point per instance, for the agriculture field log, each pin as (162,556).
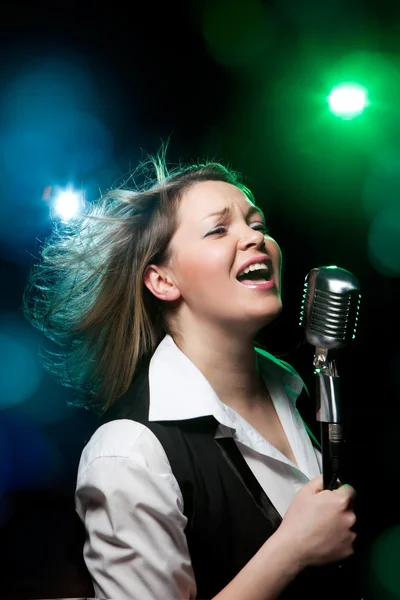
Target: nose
(252,238)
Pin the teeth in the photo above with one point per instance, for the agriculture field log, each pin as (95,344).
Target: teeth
(255,267)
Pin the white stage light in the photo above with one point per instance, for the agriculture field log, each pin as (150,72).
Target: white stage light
(67,205)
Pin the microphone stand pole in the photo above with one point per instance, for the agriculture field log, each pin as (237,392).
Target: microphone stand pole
(328,413)
(330,417)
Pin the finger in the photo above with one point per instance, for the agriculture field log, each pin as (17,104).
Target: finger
(316,485)
(347,491)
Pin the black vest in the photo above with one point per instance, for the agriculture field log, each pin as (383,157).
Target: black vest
(229,515)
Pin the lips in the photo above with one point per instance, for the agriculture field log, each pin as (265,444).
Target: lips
(263,258)
(265,285)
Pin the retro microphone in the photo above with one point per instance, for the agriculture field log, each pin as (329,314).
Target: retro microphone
(329,315)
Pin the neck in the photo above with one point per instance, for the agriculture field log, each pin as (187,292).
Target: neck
(228,362)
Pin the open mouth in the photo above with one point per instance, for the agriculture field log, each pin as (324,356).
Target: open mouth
(255,275)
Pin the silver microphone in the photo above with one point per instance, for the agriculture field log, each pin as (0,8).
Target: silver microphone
(330,307)
(329,314)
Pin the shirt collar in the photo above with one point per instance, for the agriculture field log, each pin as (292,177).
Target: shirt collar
(179,390)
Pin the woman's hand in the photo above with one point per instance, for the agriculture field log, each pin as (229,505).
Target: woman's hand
(318,522)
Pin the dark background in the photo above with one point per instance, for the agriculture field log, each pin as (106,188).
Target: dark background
(86,89)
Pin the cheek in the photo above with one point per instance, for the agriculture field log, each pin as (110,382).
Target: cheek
(202,266)
(274,252)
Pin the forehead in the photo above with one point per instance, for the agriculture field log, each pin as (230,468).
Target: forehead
(205,197)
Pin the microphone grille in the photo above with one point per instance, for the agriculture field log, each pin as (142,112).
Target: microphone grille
(330,307)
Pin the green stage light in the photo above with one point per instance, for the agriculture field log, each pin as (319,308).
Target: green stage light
(347,100)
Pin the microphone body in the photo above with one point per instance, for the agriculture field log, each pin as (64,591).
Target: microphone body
(329,315)
(330,307)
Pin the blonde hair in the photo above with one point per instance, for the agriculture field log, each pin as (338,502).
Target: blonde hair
(86,292)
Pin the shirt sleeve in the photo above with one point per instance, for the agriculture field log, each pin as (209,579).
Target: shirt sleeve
(132,509)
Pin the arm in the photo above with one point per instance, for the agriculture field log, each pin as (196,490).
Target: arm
(131,507)
(267,574)
(316,530)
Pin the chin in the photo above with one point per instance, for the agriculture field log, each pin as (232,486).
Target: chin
(266,317)
(270,319)
(273,312)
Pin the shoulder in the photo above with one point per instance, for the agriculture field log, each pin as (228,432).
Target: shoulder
(124,439)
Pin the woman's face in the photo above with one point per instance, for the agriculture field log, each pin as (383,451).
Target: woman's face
(209,249)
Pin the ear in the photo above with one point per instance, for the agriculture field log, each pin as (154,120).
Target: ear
(159,284)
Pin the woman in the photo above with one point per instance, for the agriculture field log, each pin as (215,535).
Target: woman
(201,480)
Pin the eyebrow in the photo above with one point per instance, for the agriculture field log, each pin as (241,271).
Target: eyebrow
(226,211)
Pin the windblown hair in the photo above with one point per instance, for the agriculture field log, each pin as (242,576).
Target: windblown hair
(86,292)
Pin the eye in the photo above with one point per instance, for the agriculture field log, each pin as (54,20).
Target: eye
(258,227)
(217,230)
(261,227)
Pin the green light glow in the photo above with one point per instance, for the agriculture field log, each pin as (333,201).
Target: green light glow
(347,100)
(384,571)
(384,242)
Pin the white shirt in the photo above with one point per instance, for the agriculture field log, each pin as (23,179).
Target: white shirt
(129,499)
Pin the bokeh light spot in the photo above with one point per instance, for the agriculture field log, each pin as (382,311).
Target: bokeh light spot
(382,184)
(20,368)
(385,561)
(384,242)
